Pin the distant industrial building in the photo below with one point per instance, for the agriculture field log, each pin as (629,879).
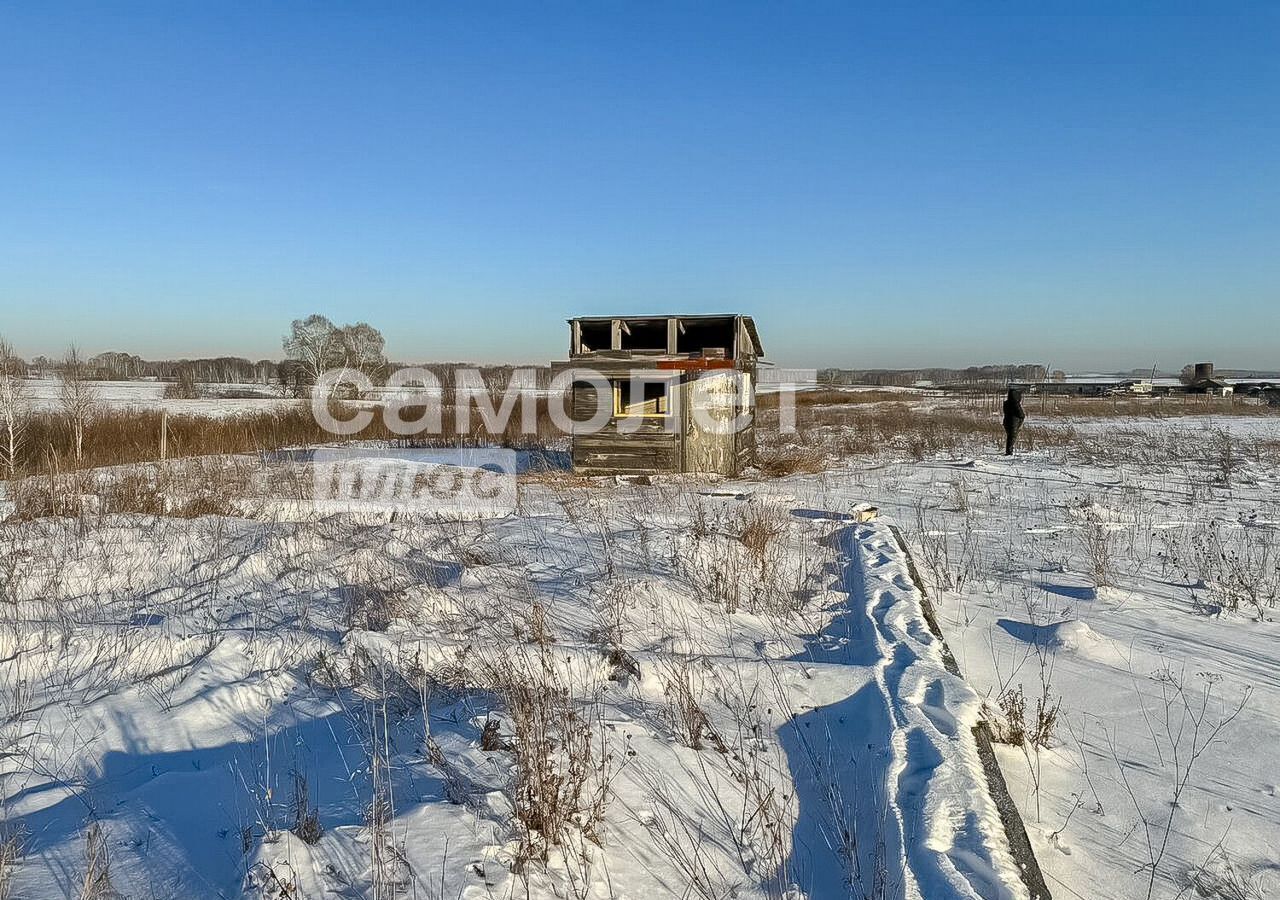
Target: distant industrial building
(1092,386)
(1202,381)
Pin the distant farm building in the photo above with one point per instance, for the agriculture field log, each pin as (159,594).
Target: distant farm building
(1088,386)
(1200,379)
(1262,388)
(1203,382)
(655,394)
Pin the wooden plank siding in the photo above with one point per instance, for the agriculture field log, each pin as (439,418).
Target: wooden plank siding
(677,442)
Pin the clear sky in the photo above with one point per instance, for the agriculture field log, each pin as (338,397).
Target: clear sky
(879,185)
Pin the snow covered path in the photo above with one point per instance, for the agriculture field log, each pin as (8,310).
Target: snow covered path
(893,801)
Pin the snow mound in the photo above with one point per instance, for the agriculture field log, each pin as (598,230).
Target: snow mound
(1071,636)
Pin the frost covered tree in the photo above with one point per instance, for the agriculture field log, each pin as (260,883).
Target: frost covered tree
(13,408)
(315,343)
(363,349)
(77,397)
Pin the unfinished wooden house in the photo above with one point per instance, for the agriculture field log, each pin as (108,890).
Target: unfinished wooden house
(660,394)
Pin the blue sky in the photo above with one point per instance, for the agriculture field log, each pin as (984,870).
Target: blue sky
(889,185)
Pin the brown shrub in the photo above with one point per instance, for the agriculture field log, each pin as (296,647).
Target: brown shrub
(780,461)
(758,527)
(562,765)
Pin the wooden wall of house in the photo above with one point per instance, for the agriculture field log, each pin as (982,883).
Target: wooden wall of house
(745,439)
(650,447)
(745,446)
(711,447)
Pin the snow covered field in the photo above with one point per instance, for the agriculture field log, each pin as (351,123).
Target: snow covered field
(1136,597)
(683,689)
(44,392)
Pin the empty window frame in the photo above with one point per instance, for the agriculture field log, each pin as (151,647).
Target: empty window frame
(707,337)
(594,336)
(644,399)
(643,334)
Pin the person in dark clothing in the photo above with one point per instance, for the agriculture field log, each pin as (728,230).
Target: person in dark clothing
(1013,419)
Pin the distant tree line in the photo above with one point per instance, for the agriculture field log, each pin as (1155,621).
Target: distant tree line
(996,375)
(312,346)
(118,366)
(972,375)
(315,345)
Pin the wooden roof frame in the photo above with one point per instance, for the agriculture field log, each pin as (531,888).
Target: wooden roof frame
(618,323)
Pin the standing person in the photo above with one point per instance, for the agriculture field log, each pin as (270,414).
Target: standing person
(1013,419)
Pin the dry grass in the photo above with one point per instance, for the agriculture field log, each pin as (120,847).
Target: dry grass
(1098,540)
(1239,568)
(10,855)
(97,862)
(306,816)
(918,432)
(778,462)
(371,607)
(183,489)
(1146,407)
(121,436)
(758,527)
(683,711)
(1219,878)
(897,427)
(835,397)
(1011,726)
(562,767)
(949,555)
(868,420)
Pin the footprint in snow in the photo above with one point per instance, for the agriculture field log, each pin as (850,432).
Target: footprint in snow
(1055,840)
(935,707)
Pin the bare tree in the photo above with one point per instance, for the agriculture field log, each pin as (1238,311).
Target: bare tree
(77,396)
(185,387)
(13,407)
(290,378)
(316,343)
(363,347)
